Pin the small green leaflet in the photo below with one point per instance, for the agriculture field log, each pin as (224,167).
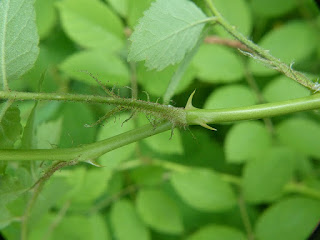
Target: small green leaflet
(166,32)
(18,39)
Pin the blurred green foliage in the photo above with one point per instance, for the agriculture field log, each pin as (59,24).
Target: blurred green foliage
(249,180)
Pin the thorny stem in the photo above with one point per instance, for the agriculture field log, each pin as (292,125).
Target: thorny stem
(260,53)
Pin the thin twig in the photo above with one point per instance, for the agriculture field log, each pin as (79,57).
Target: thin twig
(226,42)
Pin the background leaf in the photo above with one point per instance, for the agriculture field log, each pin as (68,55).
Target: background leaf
(158,36)
(245,141)
(278,222)
(276,88)
(301,134)
(230,96)
(18,39)
(107,67)
(126,223)
(204,190)
(154,207)
(264,178)
(10,126)
(91,25)
(217,232)
(218,64)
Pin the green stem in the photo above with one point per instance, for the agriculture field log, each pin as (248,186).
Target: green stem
(164,112)
(87,152)
(262,54)
(200,116)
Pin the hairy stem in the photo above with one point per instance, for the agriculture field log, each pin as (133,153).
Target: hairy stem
(262,54)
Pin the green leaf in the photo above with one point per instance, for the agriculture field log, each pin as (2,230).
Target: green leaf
(73,130)
(158,210)
(112,128)
(156,83)
(136,9)
(12,185)
(10,126)
(46,17)
(106,66)
(218,64)
(91,25)
(93,183)
(272,8)
(245,141)
(237,13)
(49,133)
(204,190)
(28,140)
(166,24)
(126,223)
(294,218)
(264,178)
(121,6)
(274,91)
(217,232)
(301,134)
(18,39)
(71,227)
(299,40)
(148,175)
(230,96)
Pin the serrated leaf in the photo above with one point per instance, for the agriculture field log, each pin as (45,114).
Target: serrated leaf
(274,91)
(218,64)
(166,24)
(91,25)
(294,218)
(264,178)
(230,96)
(272,8)
(158,210)
(217,232)
(204,190)
(301,134)
(18,39)
(126,223)
(10,126)
(107,67)
(299,39)
(245,141)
